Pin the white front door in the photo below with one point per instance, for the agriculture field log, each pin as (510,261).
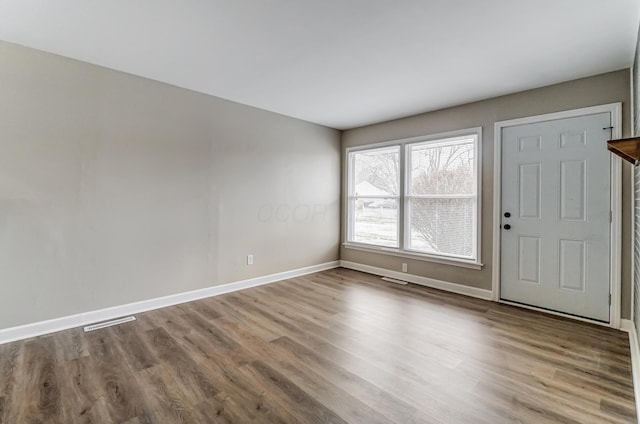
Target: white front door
(555,247)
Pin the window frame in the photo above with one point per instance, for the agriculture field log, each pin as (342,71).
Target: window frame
(404,197)
(349,228)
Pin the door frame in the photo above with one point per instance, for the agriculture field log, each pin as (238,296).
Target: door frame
(616,205)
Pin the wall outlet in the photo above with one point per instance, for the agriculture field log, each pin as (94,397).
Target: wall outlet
(404,267)
(249,259)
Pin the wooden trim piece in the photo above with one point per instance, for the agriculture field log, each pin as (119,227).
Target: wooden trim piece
(627,148)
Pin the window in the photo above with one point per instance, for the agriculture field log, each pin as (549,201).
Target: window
(374,196)
(416,197)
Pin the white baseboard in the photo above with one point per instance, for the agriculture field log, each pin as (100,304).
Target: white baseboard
(58,324)
(423,281)
(629,327)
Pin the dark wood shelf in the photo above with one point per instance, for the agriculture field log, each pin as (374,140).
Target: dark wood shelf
(627,148)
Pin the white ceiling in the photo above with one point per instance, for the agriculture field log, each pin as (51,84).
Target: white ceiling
(340,63)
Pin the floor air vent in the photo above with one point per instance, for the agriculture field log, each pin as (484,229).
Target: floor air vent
(393,280)
(106,324)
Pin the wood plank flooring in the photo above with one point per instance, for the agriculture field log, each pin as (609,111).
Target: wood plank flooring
(333,347)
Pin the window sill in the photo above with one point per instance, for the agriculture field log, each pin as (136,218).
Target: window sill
(417,256)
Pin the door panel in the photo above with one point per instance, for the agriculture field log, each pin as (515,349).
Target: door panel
(529,259)
(556,191)
(573,182)
(530,190)
(572,261)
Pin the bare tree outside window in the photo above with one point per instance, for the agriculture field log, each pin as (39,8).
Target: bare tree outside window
(441,198)
(379,168)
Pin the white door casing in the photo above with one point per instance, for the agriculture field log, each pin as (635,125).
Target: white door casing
(559,183)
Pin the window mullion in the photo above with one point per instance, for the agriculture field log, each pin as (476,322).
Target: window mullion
(402,175)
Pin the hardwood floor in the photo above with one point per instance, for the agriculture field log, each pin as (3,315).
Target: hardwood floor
(333,347)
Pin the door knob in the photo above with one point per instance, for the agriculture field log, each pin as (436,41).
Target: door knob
(506,226)
(507,214)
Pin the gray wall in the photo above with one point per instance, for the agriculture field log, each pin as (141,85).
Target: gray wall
(597,90)
(115,189)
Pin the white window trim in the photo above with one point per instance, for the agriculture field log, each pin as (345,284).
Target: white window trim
(400,251)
